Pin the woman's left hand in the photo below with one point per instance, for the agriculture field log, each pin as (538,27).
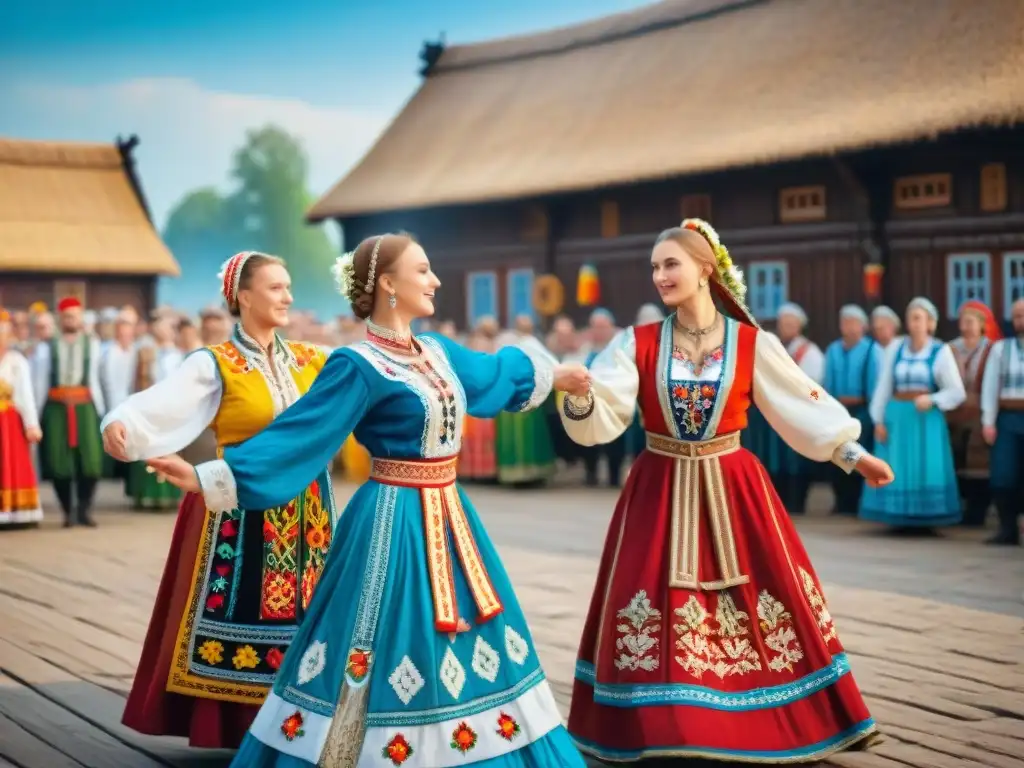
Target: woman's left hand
(176,471)
(573,379)
(876,472)
(923,403)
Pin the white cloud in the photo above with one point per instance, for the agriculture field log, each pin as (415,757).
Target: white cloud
(188,133)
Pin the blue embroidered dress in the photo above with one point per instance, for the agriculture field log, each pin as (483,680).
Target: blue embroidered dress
(924,492)
(414,651)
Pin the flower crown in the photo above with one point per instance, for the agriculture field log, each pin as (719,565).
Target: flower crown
(344,271)
(727,273)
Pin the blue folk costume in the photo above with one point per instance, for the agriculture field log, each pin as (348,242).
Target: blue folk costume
(1002,406)
(924,492)
(851,375)
(414,651)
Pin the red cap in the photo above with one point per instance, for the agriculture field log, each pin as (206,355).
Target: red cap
(69,302)
(992,330)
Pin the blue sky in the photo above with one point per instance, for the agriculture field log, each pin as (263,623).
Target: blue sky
(189,77)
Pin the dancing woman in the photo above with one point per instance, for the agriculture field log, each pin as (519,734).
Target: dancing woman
(238,580)
(708,635)
(415,651)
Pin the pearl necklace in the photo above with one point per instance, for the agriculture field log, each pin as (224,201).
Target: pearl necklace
(385,337)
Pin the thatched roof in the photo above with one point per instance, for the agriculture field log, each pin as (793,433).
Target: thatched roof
(689,86)
(70,207)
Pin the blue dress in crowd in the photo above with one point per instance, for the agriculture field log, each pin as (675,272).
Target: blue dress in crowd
(414,651)
(924,492)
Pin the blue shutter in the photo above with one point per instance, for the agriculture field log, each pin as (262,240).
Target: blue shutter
(481,297)
(519,298)
(968,276)
(767,288)
(1013,280)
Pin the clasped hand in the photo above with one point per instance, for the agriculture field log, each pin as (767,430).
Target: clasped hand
(572,378)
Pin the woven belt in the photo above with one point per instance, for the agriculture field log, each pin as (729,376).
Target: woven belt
(691,460)
(70,397)
(1011,404)
(443,512)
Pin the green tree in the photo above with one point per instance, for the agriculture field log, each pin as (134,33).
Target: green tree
(201,235)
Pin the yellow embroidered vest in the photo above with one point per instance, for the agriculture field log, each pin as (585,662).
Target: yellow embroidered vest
(247,404)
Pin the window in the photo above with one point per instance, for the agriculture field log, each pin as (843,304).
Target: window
(993,187)
(1013,280)
(519,294)
(696,207)
(481,297)
(767,288)
(968,276)
(801,204)
(934,190)
(609,219)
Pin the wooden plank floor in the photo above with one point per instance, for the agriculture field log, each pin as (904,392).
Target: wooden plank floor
(946,683)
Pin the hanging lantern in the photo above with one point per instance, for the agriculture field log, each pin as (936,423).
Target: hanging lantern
(588,287)
(873,274)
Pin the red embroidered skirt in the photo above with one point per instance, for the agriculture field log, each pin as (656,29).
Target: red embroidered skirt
(19,491)
(151,709)
(738,659)
(477,459)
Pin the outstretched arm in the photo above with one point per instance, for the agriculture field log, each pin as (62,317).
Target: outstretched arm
(608,409)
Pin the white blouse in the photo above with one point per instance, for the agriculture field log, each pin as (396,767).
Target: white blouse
(14,369)
(913,374)
(1003,378)
(815,425)
(812,362)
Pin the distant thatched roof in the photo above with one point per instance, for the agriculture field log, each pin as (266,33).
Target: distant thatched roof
(70,207)
(689,86)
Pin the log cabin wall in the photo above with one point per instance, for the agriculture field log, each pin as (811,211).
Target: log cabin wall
(18,290)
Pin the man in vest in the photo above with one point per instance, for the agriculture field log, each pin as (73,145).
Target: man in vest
(1002,426)
(67,382)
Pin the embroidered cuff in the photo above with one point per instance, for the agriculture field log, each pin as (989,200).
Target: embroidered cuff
(543,379)
(578,408)
(847,455)
(218,484)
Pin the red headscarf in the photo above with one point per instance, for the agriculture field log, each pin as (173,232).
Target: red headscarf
(988,319)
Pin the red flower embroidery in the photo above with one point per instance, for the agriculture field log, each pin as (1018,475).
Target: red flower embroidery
(508,728)
(269,532)
(292,727)
(358,664)
(707,390)
(463,738)
(679,392)
(223,569)
(314,488)
(274,657)
(213,602)
(814,394)
(398,750)
(227,529)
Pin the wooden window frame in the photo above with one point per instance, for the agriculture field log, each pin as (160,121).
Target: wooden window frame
(767,267)
(923,201)
(471,319)
(793,210)
(997,200)
(510,278)
(1008,260)
(979,257)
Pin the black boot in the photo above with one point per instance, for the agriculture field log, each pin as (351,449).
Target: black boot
(1009,532)
(63,490)
(86,490)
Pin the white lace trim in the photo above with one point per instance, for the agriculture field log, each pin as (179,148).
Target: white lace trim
(847,455)
(218,485)
(543,379)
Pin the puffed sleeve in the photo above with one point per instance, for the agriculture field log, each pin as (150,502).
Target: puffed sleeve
(515,378)
(171,414)
(808,418)
(24,397)
(276,464)
(951,392)
(610,407)
(990,385)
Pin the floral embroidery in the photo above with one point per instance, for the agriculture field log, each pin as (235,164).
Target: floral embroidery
(692,404)
(246,658)
(508,728)
(516,646)
(406,680)
(463,738)
(485,660)
(292,727)
(274,657)
(779,635)
(358,664)
(212,652)
(318,541)
(398,750)
(711,358)
(312,662)
(819,606)
(304,353)
(814,394)
(280,561)
(453,674)
(638,645)
(723,650)
(231,357)
(225,553)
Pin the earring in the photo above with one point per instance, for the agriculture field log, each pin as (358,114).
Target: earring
(703,282)
(392,301)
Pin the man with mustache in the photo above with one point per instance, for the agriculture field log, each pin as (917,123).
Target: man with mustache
(1002,425)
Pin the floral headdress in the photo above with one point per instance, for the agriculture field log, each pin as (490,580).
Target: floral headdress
(727,275)
(344,271)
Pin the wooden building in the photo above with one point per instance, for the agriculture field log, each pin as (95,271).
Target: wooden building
(73,221)
(820,138)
